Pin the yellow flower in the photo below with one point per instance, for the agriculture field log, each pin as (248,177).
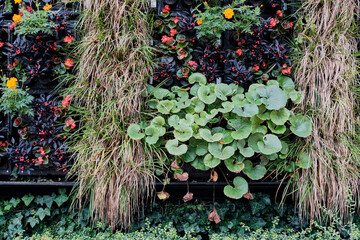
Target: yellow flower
(47,7)
(16,18)
(17,1)
(229,13)
(204,3)
(11,83)
(199,22)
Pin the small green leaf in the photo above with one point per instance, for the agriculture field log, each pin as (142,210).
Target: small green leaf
(174,120)
(197,77)
(198,163)
(217,150)
(165,106)
(254,173)
(234,166)
(152,134)
(33,221)
(242,127)
(222,91)
(270,144)
(174,148)
(300,125)
(245,151)
(42,213)
(240,188)
(275,98)
(206,94)
(285,82)
(27,199)
(160,93)
(133,132)
(276,129)
(198,105)
(190,155)
(183,133)
(280,117)
(304,160)
(254,139)
(60,199)
(206,135)
(210,161)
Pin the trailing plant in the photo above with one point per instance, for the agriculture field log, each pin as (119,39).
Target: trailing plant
(15,99)
(29,214)
(215,20)
(208,124)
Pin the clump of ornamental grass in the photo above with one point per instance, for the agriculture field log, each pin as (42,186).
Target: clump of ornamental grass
(113,172)
(325,74)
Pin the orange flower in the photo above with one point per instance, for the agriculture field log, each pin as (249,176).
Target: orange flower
(17,1)
(272,22)
(47,7)
(69,63)
(68,39)
(228,13)
(239,51)
(199,22)
(11,83)
(16,18)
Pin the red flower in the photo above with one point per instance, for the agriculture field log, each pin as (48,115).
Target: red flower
(71,123)
(239,51)
(175,19)
(193,64)
(69,63)
(166,9)
(182,56)
(18,51)
(272,22)
(12,26)
(1,44)
(173,32)
(291,24)
(285,69)
(279,13)
(20,13)
(166,39)
(40,160)
(256,68)
(66,102)
(28,8)
(68,39)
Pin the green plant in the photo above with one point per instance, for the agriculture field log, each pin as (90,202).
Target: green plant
(212,123)
(215,20)
(14,99)
(35,22)
(30,214)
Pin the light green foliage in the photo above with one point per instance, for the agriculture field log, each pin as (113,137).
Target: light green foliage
(214,22)
(35,22)
(219,123)
(15,100)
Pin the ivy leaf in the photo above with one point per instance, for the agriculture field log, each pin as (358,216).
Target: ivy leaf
(222,91)
(210,161)
(174,148)
(240,188)
(27,199)
(42,213)
(206,94)
(33,221)
(254,173)
(15,201)
(60,199)
(270,144)
(300,125)
(279,117)
(133,132)
(206,135)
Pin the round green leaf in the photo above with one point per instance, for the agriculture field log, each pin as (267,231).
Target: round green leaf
(304,160)
(217,150)
(285,82)
(160,93)
(275,98)
(210,161)
(300,125)
(227,107)
(198,105)
(222,91)
(234,166)
(206,135)
(189,156)
(254,139)
(198,163)
(240,188)
(250,110)
(152,134)
(270,144)
(173,121)
(242,127)
(183,133)
(276,129)
(206,94)
(245,151)
(133,132)
(165,106)
(188,121)
(254,173)
(197,77)
(174,148)
(279,117)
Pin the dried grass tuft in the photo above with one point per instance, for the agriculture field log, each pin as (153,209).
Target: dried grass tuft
(325,73)
(114,173)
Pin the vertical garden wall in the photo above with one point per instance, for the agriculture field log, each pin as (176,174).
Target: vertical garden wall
(119,95)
